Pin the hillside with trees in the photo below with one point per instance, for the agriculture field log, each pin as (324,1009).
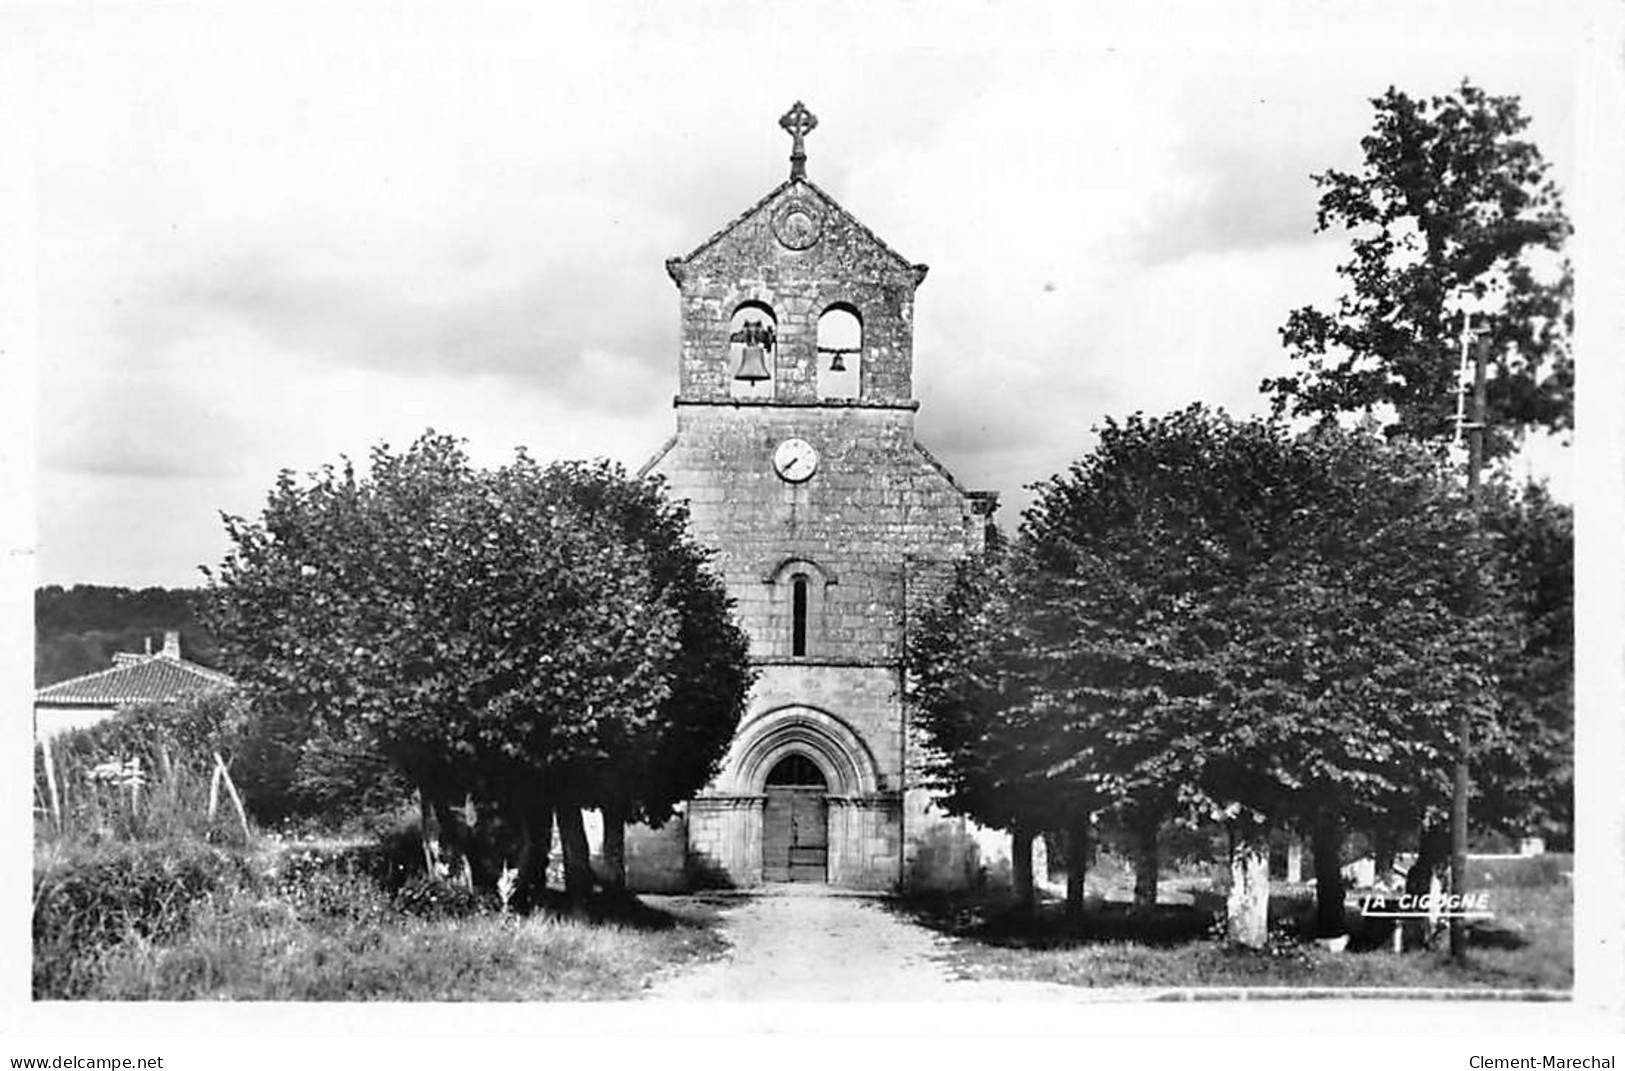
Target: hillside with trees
(77,630)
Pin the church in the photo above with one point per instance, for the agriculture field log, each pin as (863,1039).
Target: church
(795,450)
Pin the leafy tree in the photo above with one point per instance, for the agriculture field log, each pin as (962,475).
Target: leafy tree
(1225,622)
(639,767)
(970,688)
(290,769)
(511,641)
(1454,207)
(1524,768)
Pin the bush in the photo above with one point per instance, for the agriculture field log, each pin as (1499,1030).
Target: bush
(434,898)
(290,771)
(1524,872)
(143,773)
(283,769)
(94,902)
(387,863)
(341,781)
(88,900)
(188,730)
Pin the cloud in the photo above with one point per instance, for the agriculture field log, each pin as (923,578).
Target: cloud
(1260,124)
(354,231)
(478,313)
(1249,200)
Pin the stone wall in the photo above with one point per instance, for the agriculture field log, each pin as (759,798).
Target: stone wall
(657,859)
(938,853)
(863,698)
(876,531)
(880,516)
(845,266)
(866,842)
(725,840)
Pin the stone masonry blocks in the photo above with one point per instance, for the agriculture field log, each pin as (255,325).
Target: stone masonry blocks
(874,534)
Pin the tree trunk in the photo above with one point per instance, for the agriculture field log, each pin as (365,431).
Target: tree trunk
(456,835)
(1382,854)
(577,858)
(614,849)
(535,845)
(1147,863)
(466,830)
(1294,861)
(1021,867)
(1077,865)
(1432,854)
(1247,908)
(1327,844)
(434,856)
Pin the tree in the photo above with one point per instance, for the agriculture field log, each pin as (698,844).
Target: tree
(969,686)
(1524,769)
(662,759)
(1454,209)
(1224,622)
(509,640)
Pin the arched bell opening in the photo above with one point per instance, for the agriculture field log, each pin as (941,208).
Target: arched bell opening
(753,346)
(795,821)
(840,352)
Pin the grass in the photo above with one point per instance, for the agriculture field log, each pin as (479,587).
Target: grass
(176,920)
(242,949)
(1528,945)
(141,894)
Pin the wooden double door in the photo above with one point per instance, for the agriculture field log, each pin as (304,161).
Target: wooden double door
(795,834)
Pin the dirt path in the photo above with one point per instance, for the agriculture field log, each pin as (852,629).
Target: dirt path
(807,943)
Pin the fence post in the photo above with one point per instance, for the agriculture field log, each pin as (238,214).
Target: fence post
(50,780)
(231,790)
(214,789)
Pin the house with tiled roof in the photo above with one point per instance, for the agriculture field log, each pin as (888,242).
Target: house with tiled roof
(133,678)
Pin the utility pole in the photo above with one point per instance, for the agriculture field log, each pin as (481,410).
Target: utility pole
(1458,802)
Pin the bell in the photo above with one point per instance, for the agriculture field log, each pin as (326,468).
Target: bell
(752,367)
(835,362)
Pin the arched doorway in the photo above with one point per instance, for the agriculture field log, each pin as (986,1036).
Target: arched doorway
(795,822)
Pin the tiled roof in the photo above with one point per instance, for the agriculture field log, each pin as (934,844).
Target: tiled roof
(147,680)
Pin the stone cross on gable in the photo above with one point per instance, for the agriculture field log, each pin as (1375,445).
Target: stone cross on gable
(798,122)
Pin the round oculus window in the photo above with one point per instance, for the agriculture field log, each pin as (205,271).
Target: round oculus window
(797,225)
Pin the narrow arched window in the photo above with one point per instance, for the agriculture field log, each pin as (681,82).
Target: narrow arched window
(798,615)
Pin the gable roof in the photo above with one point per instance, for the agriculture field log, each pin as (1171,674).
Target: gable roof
(832,203)
(135,679)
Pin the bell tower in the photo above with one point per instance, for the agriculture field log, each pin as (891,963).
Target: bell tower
(795,451)
(796,303)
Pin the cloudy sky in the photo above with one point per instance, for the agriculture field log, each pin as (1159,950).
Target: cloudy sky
(268,237)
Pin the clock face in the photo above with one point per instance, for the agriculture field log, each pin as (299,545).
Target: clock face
(795,460)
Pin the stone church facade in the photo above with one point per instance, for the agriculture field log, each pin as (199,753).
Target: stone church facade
(795,450)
